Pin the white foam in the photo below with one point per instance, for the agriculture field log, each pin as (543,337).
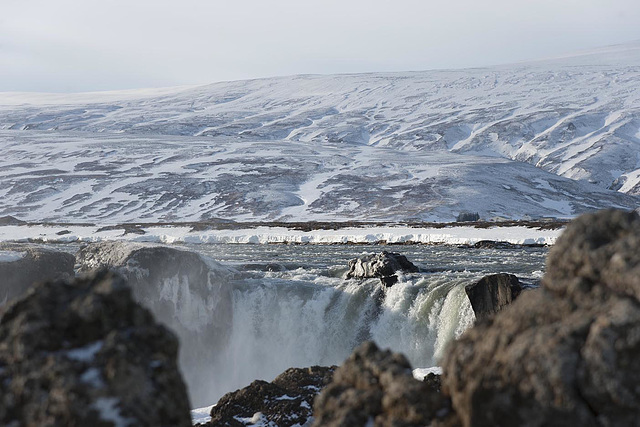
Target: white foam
(86,353)
(201,415)
(420,373)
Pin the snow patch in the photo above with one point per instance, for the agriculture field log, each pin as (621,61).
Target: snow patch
(108,409)
(561,207)
(201,415)
(11,256)
(86,353)
(286,397)
(92,376)
(258,419)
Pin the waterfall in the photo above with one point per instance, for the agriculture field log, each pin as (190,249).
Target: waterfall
(264,308)
(312,319)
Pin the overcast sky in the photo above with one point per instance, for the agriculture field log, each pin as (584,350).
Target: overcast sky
(79,45)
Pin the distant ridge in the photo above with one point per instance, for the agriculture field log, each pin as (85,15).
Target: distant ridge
(543,139)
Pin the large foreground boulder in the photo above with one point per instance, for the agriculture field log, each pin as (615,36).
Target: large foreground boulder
(22,265)
(565,354)
(287,401)
(383,266)
(376,387)
(85,354)
(492,293)
(187,292)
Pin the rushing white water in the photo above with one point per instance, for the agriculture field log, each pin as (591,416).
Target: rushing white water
(321,321)
(305,313)
(421,318)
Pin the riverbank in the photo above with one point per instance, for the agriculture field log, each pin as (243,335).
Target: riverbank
(450,234)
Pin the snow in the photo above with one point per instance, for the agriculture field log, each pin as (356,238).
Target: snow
(258,419)
(632,181)
(305,405)
(161,179)
(11,256)
(265,235)
(201,415)
(559,207)
(92,376)
(108,409)
(381,146)
(86,353)
(285,397)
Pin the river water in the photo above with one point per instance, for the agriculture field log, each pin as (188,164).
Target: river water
(293,308)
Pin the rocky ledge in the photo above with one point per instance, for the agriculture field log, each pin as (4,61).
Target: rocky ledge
(562,354)
(187,292)
(85,353)
(285,402)
(384,266)
(492,293)
(567,353)
(376,387)
(22,265)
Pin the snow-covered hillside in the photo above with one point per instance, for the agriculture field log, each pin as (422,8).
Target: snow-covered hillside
(546,138)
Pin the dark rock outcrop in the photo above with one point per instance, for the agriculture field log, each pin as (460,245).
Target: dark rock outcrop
(126,228)
(468,217)
(597,251)
(383,266)
(567,353)
(491,244)
(23,265)
(434,381)
(286,401)
(377,386)
(85,354)
(11,220)
(492,293)
(187,292)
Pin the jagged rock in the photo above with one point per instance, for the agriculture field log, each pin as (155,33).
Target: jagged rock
(491,244)
(383,266)
(184,290)
(492,293)
(22,265)
(467,217)
(375,386)
(434,381)
(85,354)
(126,228)
(566,354)
(600,249)
(286,401)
